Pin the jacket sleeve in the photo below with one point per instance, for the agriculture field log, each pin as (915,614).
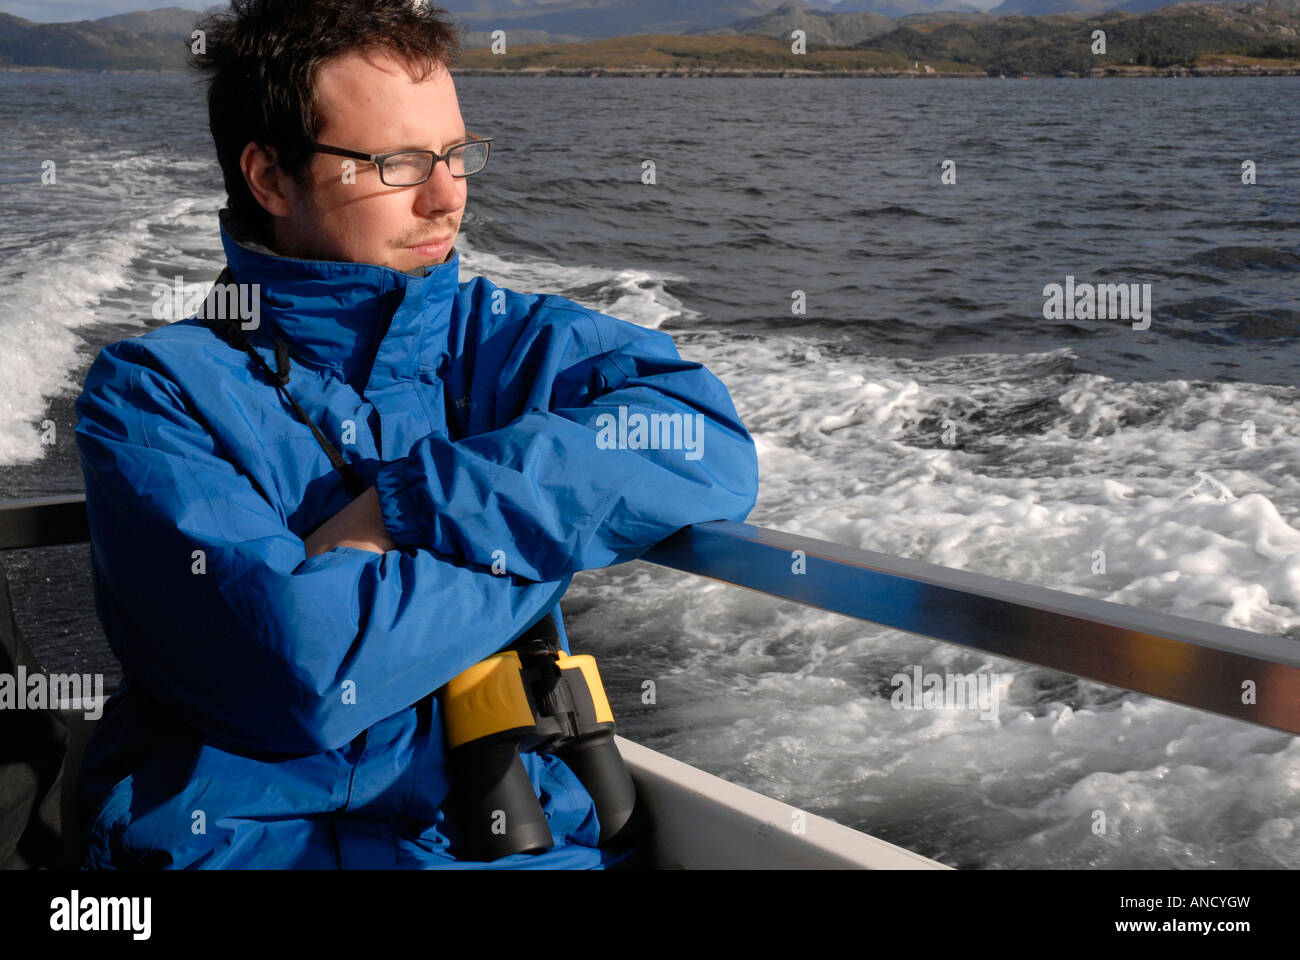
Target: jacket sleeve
(559,479)
(213,607)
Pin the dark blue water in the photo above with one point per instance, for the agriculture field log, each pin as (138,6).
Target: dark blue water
(924,308)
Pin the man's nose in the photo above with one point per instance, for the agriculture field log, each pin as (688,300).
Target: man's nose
(441,191)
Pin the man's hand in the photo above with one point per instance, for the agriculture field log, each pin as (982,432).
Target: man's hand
(360,524)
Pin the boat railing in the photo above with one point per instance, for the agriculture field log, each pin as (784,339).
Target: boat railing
(1236,673)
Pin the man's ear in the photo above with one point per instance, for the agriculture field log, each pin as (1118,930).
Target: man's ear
(266,181)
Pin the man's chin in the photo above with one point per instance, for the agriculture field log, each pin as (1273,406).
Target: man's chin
(416,264)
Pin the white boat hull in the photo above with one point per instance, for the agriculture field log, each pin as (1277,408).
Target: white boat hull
(705,823)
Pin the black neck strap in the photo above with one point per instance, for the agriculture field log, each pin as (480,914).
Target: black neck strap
(230,330)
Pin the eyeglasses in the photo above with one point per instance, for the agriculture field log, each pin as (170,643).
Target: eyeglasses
(409,168)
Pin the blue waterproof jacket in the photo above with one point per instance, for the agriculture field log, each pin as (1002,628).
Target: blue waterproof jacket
(278,711)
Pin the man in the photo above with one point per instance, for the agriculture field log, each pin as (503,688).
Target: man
(282,638)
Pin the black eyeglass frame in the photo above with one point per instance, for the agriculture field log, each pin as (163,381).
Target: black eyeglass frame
(379,158)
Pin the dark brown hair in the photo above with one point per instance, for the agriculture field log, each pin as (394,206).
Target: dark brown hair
(262,58)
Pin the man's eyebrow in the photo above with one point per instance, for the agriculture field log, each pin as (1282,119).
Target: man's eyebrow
(466,135)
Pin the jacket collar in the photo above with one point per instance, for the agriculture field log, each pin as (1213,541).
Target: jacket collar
(361,319)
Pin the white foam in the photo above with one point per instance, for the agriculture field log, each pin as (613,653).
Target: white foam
(788,700)
(638,296)
(104,274)
(42,305)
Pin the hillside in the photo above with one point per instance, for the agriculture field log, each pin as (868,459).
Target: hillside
(167,21)
(652,53)
(1178,35)
(604,18)
(838,29)
(1207,38)
(87,45)
(1261,36)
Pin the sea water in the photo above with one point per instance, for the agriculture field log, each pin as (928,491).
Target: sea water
(884,336)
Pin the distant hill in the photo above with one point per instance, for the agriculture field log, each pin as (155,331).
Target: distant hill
(667,52)
(839,29)
(566,35)
(1213,38)
(603,18)
(906,8)
(1048,8)
(616,18)
(166,22)
(478,39)
(1044,8)
(1174,35)
(103,44)
(87,45)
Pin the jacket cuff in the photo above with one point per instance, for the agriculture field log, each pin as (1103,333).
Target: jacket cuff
(400,504)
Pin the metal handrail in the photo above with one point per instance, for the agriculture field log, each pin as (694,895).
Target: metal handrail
(1248,676)
(43,522)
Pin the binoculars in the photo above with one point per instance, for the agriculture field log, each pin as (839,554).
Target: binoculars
(531,697)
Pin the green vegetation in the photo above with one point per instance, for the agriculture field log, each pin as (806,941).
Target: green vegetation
(1174,37)
(673,52)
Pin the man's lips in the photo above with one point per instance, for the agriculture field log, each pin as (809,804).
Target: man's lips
(431,248)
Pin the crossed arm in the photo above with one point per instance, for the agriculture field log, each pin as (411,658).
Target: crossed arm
(359,525)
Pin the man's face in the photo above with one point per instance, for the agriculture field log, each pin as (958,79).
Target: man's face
(368,102)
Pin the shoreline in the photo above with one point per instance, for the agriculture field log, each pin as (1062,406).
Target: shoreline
(684,73)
